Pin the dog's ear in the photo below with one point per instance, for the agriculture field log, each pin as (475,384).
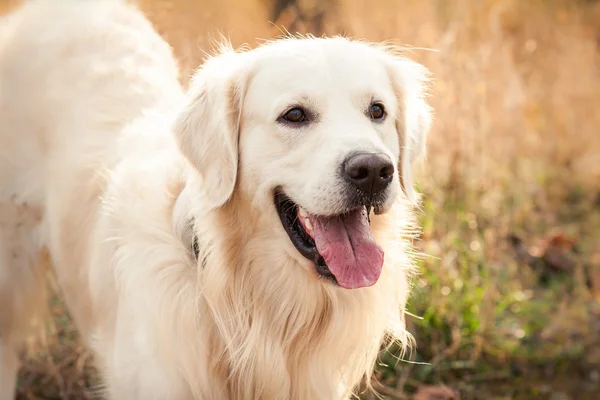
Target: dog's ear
(414,116)
(207,130)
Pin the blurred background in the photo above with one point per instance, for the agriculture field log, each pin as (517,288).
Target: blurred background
(507,304)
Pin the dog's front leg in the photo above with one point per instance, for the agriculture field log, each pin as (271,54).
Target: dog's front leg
(9,367)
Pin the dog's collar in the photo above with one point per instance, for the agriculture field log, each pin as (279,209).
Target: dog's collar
(195,248)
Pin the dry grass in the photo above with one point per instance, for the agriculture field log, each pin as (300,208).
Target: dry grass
(515,152)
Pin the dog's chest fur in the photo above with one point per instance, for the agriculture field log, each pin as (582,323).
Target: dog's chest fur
(229,318)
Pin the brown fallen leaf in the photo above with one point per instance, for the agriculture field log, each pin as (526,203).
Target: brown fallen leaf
(593,274)
(557,248)
(436,392)
(552,254)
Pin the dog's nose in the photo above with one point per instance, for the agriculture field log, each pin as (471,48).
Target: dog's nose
(368,172)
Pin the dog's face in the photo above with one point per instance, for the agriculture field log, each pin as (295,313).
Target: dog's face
(321,132)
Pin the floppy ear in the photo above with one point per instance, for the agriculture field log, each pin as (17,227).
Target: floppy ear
(207,130)
(414,117)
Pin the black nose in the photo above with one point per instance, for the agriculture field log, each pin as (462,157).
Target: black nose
(368,172)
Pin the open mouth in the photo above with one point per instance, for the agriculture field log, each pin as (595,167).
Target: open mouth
(342,247)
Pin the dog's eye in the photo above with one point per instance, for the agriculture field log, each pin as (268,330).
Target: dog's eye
(295,115)
(376,111)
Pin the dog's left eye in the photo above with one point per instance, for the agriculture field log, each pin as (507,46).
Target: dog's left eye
(376,111)
(295,115)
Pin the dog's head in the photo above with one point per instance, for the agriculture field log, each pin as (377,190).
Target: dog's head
(319,132)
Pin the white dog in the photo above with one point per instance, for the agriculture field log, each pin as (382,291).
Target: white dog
(246,241)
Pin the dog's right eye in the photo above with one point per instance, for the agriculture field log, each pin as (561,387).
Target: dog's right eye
(295,115)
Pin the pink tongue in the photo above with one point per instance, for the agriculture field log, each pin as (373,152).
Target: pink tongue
(349,249)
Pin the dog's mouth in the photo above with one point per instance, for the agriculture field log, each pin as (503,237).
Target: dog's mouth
(342,246)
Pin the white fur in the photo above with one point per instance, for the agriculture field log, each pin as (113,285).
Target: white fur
(108,169)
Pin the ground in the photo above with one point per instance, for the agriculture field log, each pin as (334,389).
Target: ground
(507,303)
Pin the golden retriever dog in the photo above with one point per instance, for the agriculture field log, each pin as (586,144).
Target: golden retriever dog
(246,240)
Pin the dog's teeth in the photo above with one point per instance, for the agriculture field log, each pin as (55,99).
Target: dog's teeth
(308,225)
(302,212)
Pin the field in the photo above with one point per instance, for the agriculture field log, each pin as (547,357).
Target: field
(507,304)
